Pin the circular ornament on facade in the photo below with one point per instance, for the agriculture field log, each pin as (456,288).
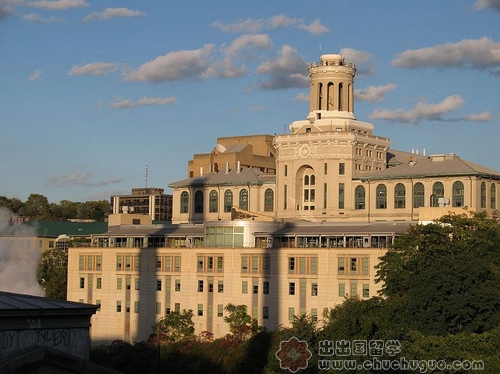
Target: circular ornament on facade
(304,151)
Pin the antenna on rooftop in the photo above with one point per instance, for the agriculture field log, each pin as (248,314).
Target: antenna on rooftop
(146,176)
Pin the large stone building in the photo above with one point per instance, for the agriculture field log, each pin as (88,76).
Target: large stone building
(286,225)
(148,200)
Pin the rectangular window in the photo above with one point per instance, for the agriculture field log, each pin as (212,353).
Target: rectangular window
(341,195)
(255,289)
(200,286)
(285,196)
(158,307)
(127,307)
(82,282)
(158,263)
(291,288)
(210,264)
(325,168)
(244,287)
(341,289)
(255,264)
(244,264)
(119,262)
(220,264)
(291,265)
(265,288)
(98,303)
(127,262)
(286,170)
(210,286)
(353,265)
(364,265)
(366,290)
(302,265)
(220,310)
(200,263)
(98,262)
(90,262)
(220,287)
(137,263)
(127,283)
(158,285)
(137,284)
(341,267)
(136,307)
(177,260)
(314,314)
(99,283)
(341,168)
(266,264)
(200,310)
(325,195)
(314,265)
(354,290)
(291,313)
(314,289)
(167,309)
(119,306)
(82,262)
(265,312)
(167,263)
(177,285)
(177,307)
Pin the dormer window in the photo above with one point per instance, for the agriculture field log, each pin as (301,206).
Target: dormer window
(308,129)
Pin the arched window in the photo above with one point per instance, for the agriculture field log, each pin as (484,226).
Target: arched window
(359,197)
(437,192)
(400,196)
(185,202)
(213,202)
(483,195)
(269,200)
(198,202)
(381,201)
(309,191)
(418,195)
(493,196)
(243,199)
(457,198)
(228,201)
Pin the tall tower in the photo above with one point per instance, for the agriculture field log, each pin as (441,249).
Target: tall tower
(318,162)
(332,85)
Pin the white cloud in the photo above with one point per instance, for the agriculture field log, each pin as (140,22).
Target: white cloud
(361,59)
(487,4)
(421,111)
(126,103)
(95,68)
(32,17)
(191,64)
(471,53)
(485,116)
(373,93)
(57,4)
(301,97)
(280,21)
(240,49)
(5,11)
(78,179)
(109,13)
(289,69)
(315,28)
(37,75)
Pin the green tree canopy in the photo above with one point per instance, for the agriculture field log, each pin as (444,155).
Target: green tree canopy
(52,272)
(449,272)
(175,326)
(241,324)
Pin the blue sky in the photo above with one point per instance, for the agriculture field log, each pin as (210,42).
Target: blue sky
(93,91)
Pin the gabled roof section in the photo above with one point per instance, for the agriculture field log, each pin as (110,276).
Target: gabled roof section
(246,176)
(15,302)
(433,166)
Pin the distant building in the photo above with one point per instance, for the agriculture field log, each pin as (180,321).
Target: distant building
(285,230)
(150,201)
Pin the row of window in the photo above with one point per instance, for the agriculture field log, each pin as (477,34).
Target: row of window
(302,288)
(303,265)
(90,262)
(168,264)
(255,264)
(213,201)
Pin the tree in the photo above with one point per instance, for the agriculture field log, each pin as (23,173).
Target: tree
(52,272)
(449,271)
(97,210)
(36,207)
(241,324)
(175,326)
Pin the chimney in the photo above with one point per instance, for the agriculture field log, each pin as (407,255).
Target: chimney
(201,171)
(238,168)
(227,167)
